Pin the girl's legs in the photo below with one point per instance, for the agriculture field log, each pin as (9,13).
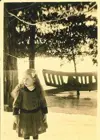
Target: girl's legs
(35,137)
(26,138)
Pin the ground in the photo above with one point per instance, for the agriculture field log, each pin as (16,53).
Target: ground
(68,103)
(60,126)
(68,118)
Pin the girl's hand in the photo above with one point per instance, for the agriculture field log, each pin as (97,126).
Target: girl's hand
(45,118)
(16,119)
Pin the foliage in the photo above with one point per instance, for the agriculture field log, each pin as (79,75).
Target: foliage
(64,29)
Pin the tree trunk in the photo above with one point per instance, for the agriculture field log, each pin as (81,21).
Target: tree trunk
(74,60)
(75,68)
(74,65)
(32,47)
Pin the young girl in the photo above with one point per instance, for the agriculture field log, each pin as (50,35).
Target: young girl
(29,107)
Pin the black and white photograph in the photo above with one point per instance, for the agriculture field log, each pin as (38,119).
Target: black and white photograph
(50,70)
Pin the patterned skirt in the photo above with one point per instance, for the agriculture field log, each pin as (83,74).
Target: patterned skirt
(30,124)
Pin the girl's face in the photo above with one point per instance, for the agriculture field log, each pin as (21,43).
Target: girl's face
(28,80)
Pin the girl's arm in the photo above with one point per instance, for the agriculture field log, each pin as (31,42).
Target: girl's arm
(15,91)
(17,103)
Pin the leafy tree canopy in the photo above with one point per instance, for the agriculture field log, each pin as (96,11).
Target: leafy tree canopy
(63,29)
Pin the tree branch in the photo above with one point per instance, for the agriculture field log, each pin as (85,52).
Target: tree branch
(32,24)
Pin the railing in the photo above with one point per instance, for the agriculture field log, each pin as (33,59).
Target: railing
(80,81)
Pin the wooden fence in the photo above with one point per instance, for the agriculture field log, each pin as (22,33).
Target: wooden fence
(10,81)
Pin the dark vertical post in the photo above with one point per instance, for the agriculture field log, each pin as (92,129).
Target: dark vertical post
(32,47)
